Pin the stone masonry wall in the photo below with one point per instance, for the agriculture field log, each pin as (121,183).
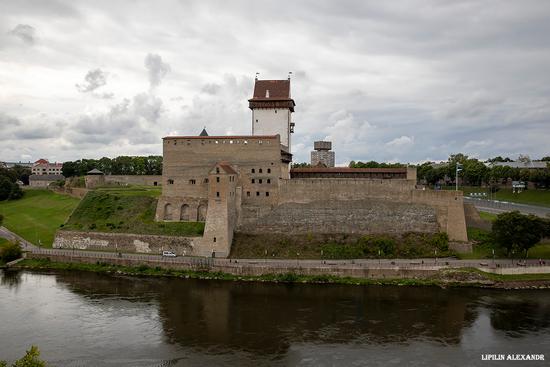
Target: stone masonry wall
(125,242)
(358,216)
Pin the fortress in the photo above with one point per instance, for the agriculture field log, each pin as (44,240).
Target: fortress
(244,184)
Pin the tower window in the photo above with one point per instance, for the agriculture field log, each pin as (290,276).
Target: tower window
(275,111)
(260,180)
(253,170)
(192,182)
(269,170)
(217,179)
(268,180)
(253,181)
(267,193)
(217,194)
(214,239)
(170,182)
(217,170)
(260,170)
(256,120)
(248,193)
(257,193)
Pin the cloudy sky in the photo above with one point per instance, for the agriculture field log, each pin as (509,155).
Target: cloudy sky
(388,81)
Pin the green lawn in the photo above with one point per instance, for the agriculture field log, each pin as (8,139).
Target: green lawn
(533,197)
(488,216)
(126,210)
(37,215)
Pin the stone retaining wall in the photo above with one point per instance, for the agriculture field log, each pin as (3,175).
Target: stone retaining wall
(357,216)
(394,272)
(125,242)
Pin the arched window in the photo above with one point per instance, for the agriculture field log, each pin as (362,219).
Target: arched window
(201,213)
(168,212)
(184,214)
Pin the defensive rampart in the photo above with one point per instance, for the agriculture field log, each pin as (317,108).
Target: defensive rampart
(357,206)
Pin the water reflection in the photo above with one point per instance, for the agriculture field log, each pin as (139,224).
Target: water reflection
(10,278)
(143,321)
(269,317)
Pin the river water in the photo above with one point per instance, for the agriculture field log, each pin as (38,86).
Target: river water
(87,319)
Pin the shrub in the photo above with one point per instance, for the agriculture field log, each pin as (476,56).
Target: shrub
(11,251)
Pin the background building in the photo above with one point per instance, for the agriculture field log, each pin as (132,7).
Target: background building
(43,167)
(322,154)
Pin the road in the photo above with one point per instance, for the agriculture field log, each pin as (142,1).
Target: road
(497,207)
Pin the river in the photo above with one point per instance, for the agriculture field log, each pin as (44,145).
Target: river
(88,319)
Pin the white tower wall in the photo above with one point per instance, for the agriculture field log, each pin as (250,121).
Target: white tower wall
(271,121)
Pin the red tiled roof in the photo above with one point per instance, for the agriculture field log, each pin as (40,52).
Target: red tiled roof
(348,170)
(278,90)
(42,161)
(228,169)
(223,137)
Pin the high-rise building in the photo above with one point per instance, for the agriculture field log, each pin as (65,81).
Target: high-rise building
(322,154)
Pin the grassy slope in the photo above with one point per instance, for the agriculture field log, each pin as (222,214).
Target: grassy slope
(126,210)
(37,215)
(533,197)
(3,241)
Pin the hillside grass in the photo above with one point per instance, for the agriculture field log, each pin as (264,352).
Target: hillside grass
(339,246)
(539,197)
(488,216)
(126,210)
(37,215)
(135,190)
(3,242)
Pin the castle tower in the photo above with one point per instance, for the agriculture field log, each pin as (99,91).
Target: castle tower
(272,108)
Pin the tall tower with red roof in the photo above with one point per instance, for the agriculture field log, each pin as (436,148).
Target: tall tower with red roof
(272,108)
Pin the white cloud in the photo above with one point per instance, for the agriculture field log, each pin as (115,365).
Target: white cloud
(401,142)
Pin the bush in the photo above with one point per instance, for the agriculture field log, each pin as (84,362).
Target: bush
(11,251)
(31,359)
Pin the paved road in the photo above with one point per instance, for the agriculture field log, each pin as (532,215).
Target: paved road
(25,245)
(497,207)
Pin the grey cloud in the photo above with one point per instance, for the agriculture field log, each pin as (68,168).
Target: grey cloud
(8,121)
(210,88)
(94,79)
(157,69)
(24,32)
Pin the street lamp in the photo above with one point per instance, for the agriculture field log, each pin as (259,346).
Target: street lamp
(458,169)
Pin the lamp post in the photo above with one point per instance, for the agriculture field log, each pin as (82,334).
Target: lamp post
(458,169)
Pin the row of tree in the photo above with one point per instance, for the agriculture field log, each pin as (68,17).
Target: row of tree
(123,165)
(475,172)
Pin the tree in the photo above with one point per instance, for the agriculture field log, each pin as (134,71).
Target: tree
(11,251)
(514,231)
(30,359)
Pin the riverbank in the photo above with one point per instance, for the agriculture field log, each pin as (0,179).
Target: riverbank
(449,277)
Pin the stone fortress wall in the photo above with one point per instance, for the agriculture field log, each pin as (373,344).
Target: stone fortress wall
(357,206)
(243,183)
